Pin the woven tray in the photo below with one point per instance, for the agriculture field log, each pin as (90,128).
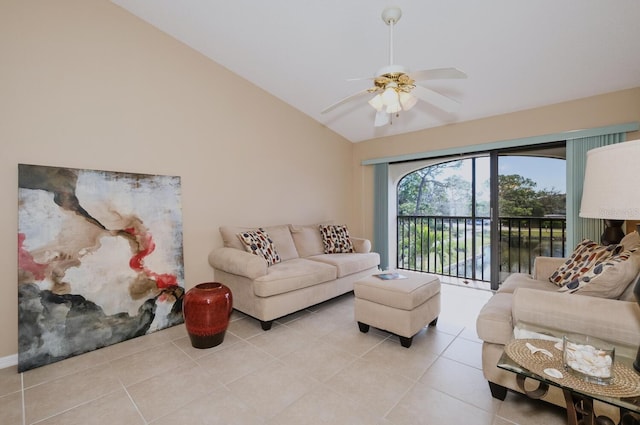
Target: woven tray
(625,382)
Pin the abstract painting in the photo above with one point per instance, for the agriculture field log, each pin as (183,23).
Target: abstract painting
(100,259)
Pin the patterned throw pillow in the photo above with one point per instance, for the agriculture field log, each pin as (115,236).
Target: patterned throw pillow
(585,258)
(607,279)
(336,239)
(259,243)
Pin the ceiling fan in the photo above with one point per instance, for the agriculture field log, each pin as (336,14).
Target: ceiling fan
(395,87)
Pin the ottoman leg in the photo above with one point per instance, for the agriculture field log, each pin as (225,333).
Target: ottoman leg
(406,342)
(433,322)
(364,328)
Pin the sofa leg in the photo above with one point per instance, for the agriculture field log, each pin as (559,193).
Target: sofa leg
(405,342)
(433,322)
(497,391)
(266,325)
(364,328)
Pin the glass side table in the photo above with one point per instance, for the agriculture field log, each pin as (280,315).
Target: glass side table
(579,396)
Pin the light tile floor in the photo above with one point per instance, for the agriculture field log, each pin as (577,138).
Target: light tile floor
(312,367)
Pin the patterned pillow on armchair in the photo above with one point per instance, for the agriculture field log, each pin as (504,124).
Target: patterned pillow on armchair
(587,255)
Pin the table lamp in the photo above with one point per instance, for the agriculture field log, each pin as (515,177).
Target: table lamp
(611,183)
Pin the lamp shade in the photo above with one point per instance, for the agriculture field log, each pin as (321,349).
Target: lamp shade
(611,182)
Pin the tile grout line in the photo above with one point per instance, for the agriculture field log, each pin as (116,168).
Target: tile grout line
(134,404)
(418,382)
(71,408)
(461,335)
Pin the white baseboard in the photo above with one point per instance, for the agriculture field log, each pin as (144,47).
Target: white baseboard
(8,361)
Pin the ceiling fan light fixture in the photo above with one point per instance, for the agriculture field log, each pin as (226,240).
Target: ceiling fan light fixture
(382,119)
(394,109)
(394,87)
(407,100)
(377,103)
(390,96)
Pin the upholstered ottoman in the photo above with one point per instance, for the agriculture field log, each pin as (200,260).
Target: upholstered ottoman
(400,306)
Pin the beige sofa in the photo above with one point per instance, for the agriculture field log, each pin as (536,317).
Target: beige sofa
(305,276)
(535,301)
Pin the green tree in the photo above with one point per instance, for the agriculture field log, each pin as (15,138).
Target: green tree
(517,196)
(551,202)
(458,196)
(426,192)
(423,192)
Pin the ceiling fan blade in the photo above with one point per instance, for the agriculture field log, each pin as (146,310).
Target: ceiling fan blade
(345,100)
(436,99)
(437,74)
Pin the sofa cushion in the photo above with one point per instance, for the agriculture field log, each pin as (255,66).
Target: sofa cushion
(628,293)
(609,278)
(614,321)
(523,280)
(307,239)
(280,235)
(586,256)
(631,240)
(259,243)
(292,275)
(347,264)
(335,238)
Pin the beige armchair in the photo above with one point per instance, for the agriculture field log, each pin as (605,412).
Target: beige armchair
(534,300)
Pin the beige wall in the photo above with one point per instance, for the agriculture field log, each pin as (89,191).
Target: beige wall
(609,109)
(85,84)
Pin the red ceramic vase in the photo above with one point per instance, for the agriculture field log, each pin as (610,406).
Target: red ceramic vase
(206,309)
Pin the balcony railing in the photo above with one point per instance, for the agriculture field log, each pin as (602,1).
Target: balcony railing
(461,246)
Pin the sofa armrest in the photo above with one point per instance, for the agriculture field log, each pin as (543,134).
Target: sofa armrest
(543,267)
(238,262)
(361,245)
(611,320)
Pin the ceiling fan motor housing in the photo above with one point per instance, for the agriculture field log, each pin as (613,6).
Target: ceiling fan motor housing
(392,69)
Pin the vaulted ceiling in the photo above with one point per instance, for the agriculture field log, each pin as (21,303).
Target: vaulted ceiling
(517,54)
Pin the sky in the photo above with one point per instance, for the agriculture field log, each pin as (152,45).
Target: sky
(547,173)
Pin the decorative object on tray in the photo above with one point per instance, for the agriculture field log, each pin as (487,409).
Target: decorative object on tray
(535,349)
(391,276)
(588,358)
(207,307)
(624,383)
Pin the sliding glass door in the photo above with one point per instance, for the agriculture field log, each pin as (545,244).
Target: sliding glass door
(529,208)
(482,217)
